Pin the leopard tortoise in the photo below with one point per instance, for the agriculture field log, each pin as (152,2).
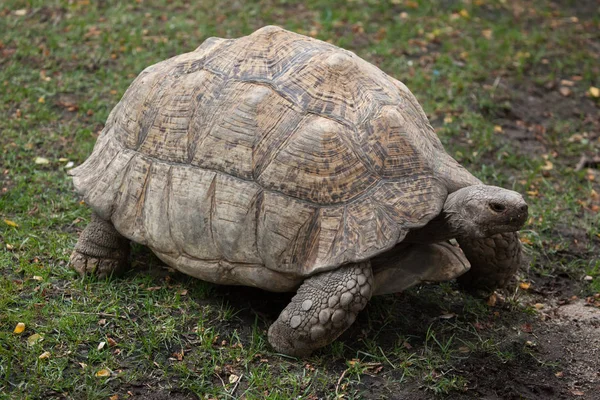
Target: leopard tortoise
(289,164)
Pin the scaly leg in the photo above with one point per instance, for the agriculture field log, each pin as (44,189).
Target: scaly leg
(324,307)
(100,250)
(494,261)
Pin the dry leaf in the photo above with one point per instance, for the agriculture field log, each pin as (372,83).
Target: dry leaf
(464,13)
(588,278)
(566,82)
(114,397)
(41,100)
(594,91)
(233,378)
(21,12)
(565,91)
(184,292)
(487,33)
(41,161)
(19,328)
(33,339)
(9,246)
(111,342)
(491,301)
(101,345)
(497,129)
(538,306)
(577,393)
(11,223)
(37,278)
(44,355)
(548,166)
(154,288)
(103,373)
(525,285)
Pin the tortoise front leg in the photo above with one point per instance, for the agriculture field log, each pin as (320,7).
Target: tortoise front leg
(100,250)
(494,261)
(324,307)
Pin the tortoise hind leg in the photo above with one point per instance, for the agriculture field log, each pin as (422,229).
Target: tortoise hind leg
(494,261)
(100,250)
(322,309)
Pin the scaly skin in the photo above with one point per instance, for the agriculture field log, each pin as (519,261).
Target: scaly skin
(322,309)
(494,261)
(100,250)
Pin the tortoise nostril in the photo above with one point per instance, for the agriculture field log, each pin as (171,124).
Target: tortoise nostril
(497,207)
(523,208)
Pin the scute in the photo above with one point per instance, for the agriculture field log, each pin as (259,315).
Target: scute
(273,150)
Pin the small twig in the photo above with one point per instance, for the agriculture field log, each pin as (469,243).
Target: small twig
(337,386)
(100,314)
(236,384)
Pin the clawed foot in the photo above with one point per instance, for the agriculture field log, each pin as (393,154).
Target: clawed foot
(99,267)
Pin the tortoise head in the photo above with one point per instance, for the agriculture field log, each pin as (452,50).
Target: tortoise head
(481,211)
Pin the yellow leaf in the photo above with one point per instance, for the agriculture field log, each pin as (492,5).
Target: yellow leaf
(497,129)
(103,373)
(548,166)
(44,355)
(594,91)
(19,328)
(538,306)
(41,100)
(233,378)
(11,223)
(35,338)
(464,13)
(524,285)
(487,33)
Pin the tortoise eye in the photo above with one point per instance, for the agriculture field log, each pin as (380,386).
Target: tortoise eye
(497,207)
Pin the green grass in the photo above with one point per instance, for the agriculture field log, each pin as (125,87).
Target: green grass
(472,65)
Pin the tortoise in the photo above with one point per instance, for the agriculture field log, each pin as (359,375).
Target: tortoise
(286,163)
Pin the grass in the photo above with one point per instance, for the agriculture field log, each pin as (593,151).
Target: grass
(474,66)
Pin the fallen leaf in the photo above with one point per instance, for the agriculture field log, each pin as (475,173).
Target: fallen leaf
(497,129)
(464,349)
(594,91)
(111,342)
(548,166)
(9,246)
(44,355)
(11,223)
(577,393)
(103,373)
(588,278)
(529,343)
(102,322)
(464,13)
(35,338)
(37,278)
(559,374)
(21,12)
(19,328)
(538,306)
(69,165)
(154,288)
(114,397)
(184,292)
(525,285)
(101,345)
(565,91)
(487,33)
(41,160)
(491,301)
(527,328)
(566,82)
(233,378)
(41,100)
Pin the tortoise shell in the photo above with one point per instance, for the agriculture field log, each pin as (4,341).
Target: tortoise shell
(266,159)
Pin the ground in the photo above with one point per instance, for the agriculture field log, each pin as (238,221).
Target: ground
(512,89)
